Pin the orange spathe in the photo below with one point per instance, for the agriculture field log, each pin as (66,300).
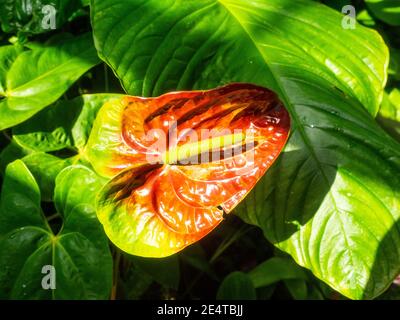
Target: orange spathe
(179,161)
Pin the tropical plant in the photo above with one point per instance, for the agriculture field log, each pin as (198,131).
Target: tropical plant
(316,217)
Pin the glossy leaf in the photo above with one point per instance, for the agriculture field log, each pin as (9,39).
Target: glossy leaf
(172,185)
(33,79)
(183,49)
(385,10)
(45,168)
(8,54)
(33,16)
(79,253)
(340,173)
(66,124)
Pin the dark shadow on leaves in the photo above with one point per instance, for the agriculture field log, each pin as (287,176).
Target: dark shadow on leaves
(386,266)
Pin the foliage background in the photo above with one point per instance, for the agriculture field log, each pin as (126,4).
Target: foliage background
(62,69)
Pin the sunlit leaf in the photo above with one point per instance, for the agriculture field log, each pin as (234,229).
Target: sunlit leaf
(45,168)
(340,173)
(33,79)
(79,253)
(66,124)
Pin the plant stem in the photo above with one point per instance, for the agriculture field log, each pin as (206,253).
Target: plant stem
(52,217)
(117,260)
(8,137)
(229,241)
(106,82)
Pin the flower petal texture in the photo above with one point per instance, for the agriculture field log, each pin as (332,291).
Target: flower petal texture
(178,162)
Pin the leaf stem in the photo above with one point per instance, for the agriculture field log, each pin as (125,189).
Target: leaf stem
(7,136)
(52,217)
(117,260)
(229,241)
(106,80)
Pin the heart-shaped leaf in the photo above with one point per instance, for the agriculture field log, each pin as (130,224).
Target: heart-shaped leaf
(45,168)
(332,201)
(181,160)
(79,253)
(33,79)
(66,124)
(158,46)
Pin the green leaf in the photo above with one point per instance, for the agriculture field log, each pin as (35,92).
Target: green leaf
(332,201)
(365,18)
(66,124)
(394,97)
(237,286)
(327,219)
(265,293)
(297,288)
(385,10)
(79,253)
(45,168)
(157,46)
(36,78)
(393,293)
(8,54)
(394,66)
(10,153)
(76,185)
(389,113)
(275,270)
(32,16)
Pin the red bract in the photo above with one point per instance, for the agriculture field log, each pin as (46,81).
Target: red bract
(180,161)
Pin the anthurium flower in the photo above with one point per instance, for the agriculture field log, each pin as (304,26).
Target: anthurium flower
(178,162)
